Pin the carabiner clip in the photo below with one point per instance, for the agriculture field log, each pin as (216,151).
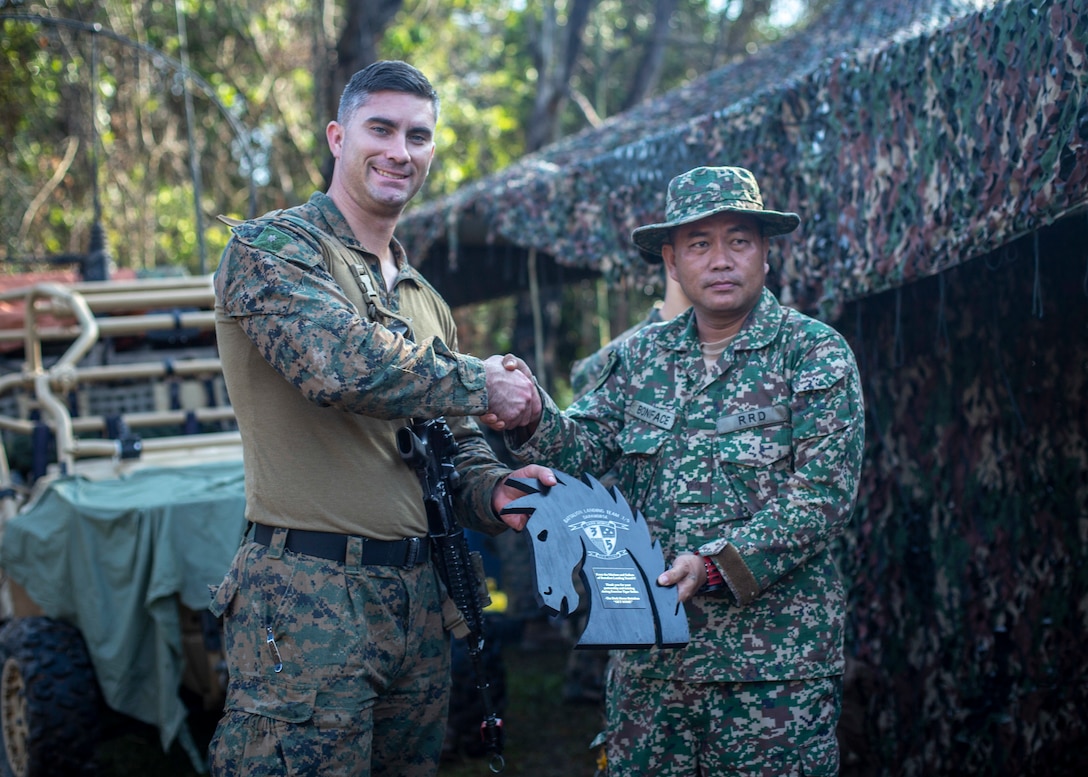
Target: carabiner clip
(275,650)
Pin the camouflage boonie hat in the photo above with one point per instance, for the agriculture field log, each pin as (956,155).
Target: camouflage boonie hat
(704,192)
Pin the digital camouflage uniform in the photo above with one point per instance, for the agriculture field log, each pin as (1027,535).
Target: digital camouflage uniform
(336,668)
(756,465)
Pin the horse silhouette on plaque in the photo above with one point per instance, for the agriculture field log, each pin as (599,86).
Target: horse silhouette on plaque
(580,528)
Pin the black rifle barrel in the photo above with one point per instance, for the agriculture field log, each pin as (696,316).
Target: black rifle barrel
(428,448)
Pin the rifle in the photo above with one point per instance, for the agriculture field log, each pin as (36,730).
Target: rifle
(428,447)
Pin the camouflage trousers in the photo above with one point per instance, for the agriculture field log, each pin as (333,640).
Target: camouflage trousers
(664,728)
(335,669)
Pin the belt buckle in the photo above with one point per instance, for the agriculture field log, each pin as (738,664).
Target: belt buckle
(411,557)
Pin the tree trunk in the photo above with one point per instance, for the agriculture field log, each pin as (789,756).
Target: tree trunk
(554,65)
(737,33)
(358,45)
(649,68)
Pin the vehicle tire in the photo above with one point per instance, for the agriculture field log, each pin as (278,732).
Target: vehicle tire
(50,704)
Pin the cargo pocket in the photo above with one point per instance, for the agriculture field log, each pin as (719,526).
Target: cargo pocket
(825,405)
(224,593)
(265,728)
(640,440)
(642,445)
(290,702)
(821,758)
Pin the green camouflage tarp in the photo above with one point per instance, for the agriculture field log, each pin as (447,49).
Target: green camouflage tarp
(968,556)
(910,136)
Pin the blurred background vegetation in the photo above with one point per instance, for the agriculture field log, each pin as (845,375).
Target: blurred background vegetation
(147,119)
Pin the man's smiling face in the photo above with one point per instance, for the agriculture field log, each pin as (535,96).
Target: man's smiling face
(384,151)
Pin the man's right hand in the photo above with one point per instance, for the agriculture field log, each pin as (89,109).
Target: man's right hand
(513,399)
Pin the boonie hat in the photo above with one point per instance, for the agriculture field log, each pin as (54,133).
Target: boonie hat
(704,192)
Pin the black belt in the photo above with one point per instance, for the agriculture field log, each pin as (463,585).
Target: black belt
(327,545)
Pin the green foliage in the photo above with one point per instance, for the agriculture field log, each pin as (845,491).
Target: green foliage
(118,99)
(258,143)
(474,56)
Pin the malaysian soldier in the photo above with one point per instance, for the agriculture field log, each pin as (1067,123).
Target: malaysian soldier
(338,658)
(737,430)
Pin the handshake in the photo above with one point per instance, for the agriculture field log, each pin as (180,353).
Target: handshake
(513,397)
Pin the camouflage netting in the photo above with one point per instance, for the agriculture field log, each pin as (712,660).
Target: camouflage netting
(939,161)
(934,134)
(968,557)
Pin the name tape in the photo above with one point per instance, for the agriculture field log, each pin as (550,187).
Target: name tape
(762,416)
(657,416)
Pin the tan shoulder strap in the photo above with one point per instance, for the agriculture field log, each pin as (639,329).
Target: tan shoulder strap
(343,262)
(232,222)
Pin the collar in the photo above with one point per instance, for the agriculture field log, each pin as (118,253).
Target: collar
(326,215)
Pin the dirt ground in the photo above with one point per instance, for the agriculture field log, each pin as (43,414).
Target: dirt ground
(545,736)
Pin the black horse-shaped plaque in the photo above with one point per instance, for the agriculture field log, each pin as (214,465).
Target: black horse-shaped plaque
(579,526)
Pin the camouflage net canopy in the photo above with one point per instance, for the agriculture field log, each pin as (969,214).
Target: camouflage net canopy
(967,559)
(938,156)
(910,135)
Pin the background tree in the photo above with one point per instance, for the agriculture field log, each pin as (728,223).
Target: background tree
(529,76)
(556,51)
(225,102)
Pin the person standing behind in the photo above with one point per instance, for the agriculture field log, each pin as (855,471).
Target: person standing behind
(737,430)
(585,372)
(330,341)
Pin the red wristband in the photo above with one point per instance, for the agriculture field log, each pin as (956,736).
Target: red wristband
(714,579)
(713,576)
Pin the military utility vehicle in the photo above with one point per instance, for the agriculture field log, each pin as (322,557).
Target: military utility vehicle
(121,502)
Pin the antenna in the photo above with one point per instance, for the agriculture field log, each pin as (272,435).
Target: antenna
(194,161)
(96,264)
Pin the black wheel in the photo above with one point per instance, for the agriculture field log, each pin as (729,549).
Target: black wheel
(50,705)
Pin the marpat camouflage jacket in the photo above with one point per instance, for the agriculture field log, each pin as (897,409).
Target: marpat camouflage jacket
(356,381)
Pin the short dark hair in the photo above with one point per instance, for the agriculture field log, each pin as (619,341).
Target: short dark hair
(384,76)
